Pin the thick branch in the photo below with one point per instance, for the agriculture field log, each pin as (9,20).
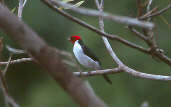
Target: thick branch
(48,58)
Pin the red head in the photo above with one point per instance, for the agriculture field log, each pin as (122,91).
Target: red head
(74,38)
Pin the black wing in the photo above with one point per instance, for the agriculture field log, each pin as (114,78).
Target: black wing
(88,52)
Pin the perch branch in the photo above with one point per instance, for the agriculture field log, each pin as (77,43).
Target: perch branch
(128,70)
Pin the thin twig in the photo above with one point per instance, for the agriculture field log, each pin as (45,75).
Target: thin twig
(138,34)
(148,13)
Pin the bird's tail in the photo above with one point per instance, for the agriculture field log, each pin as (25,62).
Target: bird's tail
(107,78)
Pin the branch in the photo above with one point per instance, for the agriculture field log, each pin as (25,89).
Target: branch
(90,12)
(98,72)
(17,61)
(48,58)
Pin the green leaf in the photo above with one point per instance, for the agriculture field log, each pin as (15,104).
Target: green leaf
(66,1)
(13,10)
(78,4)
(75,5)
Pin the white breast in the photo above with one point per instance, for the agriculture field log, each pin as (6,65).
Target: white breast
(84,59)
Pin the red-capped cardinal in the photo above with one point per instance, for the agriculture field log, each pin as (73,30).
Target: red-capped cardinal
(84,56)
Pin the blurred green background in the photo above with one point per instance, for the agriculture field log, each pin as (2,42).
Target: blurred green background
(31,87)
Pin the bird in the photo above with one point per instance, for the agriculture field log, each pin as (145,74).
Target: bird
(85,56)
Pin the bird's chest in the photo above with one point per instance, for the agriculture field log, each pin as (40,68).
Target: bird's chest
(83,58)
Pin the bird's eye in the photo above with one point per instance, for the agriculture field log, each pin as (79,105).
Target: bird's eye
(73,39)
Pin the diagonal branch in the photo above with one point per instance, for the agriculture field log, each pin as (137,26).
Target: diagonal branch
(48,58)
